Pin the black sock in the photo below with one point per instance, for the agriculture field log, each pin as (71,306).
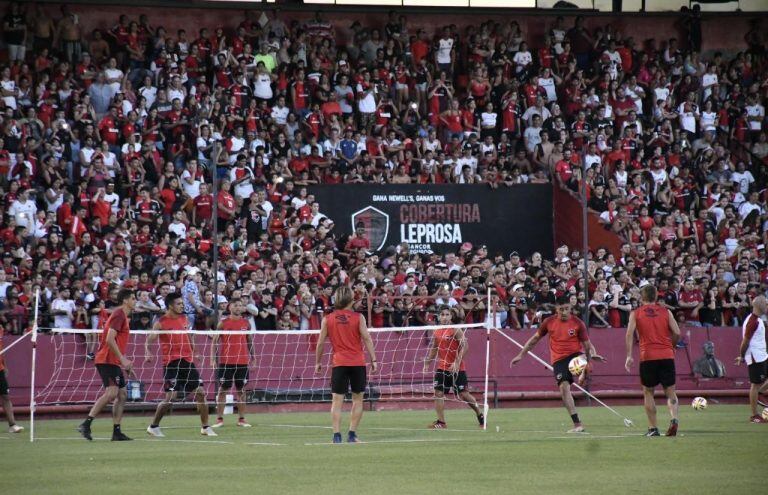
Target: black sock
(153,425)
(575,418)
(673,421)
(351,433)
(205,426)
(88,421)
(115,428)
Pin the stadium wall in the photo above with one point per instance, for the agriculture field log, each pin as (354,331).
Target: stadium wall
(568,225)
(721,31)
(526,381)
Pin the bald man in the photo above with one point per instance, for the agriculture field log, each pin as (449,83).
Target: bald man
(753,352)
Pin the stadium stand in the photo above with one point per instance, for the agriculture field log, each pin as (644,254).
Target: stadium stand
(113,136)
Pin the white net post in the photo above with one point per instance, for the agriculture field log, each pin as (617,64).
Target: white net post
(488,324)
(32,374)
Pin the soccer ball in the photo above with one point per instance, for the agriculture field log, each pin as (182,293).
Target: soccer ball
(577,365)
(765,414)
(699,403)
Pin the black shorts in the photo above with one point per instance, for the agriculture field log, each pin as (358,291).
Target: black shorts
(561,371)
(3,383)
(232,373)
(181,376)
(111,375)
(445,381)
(345,377)
(657,372)
(758,372)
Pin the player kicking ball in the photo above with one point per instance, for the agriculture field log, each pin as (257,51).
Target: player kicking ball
(753,352)
(658,333)
(567,337)
(347,332)
(234,356)
(110,362)
(179,371)
(449,345)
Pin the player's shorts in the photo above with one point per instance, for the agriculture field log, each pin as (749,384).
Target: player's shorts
(561,371)
(232,373)
(445,381)
(181,376)
(345,377)
(111,375)
(3,383)
(657,372)
(758,372)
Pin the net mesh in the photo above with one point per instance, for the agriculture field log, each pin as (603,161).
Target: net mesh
(281,370)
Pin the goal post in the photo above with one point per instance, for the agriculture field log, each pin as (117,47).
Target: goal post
(282,370)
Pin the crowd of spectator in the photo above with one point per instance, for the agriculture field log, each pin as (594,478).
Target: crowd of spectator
(112,139)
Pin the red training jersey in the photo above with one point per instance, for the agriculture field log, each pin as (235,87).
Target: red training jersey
(447,349)
(174,346)
(233,349)
(654,332)
(119,321)
(344,333)
(565,337)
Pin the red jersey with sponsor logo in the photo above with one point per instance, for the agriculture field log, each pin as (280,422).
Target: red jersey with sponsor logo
(565,337)
(447,349)
(119,321)
(175,346)
(654,333)
(233,349)
(344,333)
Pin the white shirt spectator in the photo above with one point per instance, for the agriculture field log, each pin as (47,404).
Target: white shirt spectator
(190,184)
(444,48)
(178,228)
(280,114)
(756,110)
(24,213)
(65,320)
(743,179)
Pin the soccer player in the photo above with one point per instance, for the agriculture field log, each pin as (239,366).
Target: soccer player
(450,345)
(179,371)
(110,357)
(658,333)
(753,352)
(234,355)
(567,336)
(347,332)
(4,398)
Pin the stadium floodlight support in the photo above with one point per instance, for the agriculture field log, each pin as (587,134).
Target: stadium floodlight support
(32,374)
(627,422)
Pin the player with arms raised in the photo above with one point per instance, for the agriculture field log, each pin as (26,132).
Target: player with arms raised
(234,355)
(347,332)
(179,371)
(567,336)
(108,360)
(658,333)
(450,346)
(753,352)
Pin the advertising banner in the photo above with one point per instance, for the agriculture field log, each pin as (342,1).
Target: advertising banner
(440,218)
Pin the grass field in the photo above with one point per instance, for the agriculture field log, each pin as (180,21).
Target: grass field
(523,451)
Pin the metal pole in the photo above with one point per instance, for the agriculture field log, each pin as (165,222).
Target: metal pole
(585,244)
(487,357)
(32,374)
(215,235)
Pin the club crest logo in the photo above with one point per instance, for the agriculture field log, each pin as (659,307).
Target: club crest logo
(376,224)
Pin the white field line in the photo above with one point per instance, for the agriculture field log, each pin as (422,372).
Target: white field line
(410,440)
(267,443)
(478,430)
(163,440)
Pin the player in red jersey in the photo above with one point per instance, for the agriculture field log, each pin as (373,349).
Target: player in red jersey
(450,346)
(4,398)
(179,371)
(235,353)
(567,337)
(347,332)
(658,333)
(753,352)
(110,362)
